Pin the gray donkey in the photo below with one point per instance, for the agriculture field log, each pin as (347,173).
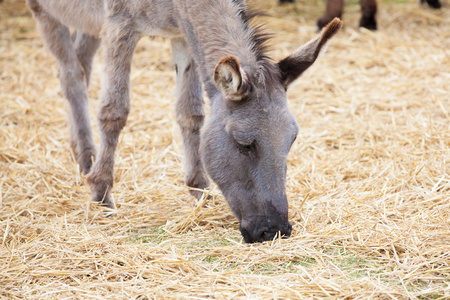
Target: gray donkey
(243,145)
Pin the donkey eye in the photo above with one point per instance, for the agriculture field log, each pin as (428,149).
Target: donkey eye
(247,149)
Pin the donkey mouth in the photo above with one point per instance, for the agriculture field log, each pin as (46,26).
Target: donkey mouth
(263,235)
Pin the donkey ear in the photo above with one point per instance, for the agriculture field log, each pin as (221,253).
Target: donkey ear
(295,64)
(231,79)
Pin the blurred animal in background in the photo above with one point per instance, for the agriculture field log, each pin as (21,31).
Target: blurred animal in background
(432,3)
(334,9)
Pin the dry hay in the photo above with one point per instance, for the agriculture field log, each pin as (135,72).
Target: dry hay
(368,178)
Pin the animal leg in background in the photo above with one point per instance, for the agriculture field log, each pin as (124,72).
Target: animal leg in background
(119,41)
(333,10)
(190,115)
(57,39)
(368,12)
(432,3)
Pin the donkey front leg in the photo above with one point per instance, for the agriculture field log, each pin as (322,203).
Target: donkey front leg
(57,39)
(119,42)
(190,115)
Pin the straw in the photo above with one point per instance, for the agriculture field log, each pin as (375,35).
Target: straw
(368,178)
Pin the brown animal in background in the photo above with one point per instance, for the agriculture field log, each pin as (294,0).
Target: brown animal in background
(245,142)
(335,8)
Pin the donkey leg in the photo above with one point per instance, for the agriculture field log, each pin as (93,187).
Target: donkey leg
(86,47)
(57,39)
(190,115)
(368,11)
(333,10)
(119,42)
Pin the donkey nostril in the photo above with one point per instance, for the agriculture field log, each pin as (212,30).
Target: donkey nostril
(268,236)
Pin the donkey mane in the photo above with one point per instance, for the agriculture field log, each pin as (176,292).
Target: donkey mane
(261,43)
(226,29)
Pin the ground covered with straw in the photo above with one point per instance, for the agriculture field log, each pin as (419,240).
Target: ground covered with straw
(368,177)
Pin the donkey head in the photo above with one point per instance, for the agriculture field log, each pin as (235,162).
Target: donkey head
(245,143)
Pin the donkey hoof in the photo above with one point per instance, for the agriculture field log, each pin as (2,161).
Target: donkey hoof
(86,161)
(104,200)
(85,167)
(100,189)
(197,183)
(198,190)
(198,194)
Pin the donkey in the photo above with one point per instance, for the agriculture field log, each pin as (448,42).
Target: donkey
(368,11)
(242,146)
